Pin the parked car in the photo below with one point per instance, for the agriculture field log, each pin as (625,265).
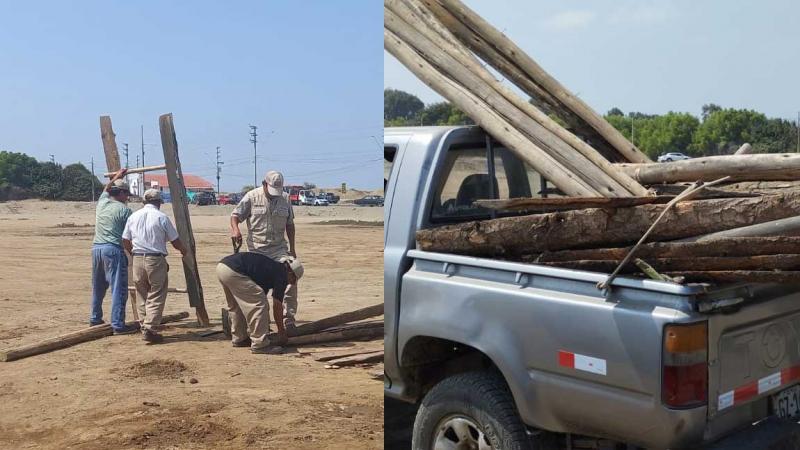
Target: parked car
(305,197)
(320,201)
(222,199)
(521,353)
(235,198)
(332,198)
(370,200)
(673,156)
(294,193)
(204,199)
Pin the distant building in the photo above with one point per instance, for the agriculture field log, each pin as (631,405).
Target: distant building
(159,181)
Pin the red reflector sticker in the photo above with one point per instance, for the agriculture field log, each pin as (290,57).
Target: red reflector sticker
(582,362)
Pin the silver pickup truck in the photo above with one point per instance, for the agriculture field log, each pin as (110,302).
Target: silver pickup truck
(507,355)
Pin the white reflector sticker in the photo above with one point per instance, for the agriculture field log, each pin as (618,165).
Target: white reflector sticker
(582,362)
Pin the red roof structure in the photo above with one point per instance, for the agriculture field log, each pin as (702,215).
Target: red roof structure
(192,182)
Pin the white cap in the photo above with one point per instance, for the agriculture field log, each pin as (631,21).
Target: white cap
(274,180)
(296,266)
(152,195)
(121,185)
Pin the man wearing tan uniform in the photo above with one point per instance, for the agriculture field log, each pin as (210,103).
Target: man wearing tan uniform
(145,237)
(270,222)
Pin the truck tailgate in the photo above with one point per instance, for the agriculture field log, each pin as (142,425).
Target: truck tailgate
(754,352)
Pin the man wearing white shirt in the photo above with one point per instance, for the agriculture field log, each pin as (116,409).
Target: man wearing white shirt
(145,237)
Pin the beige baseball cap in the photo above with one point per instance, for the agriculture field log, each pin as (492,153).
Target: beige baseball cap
(274,180)
(122,185)
(296,266)
(152,195)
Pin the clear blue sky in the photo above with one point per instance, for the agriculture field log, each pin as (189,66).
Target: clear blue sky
(310,71)
(653,56)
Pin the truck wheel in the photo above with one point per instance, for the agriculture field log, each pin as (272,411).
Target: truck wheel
(473,411)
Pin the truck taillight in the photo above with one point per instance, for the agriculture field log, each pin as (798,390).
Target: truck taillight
(684,381)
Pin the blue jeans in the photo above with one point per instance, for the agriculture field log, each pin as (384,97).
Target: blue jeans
(109,268)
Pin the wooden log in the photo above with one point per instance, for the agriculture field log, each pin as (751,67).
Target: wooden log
(789,226)
(724,191)
(334,321)
(347,334)
(452,59)
(183,223)
(138,170)
(704,263)
(603,227)
(70,339)
(544,79)
(486,117)
(742,246)
(735,276)
(327,356)
(760,167)
(109,144)
(566,203)
(356,359)
(172,289)
(744,149)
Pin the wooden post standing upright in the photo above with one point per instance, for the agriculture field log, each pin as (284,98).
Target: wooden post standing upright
(180,210)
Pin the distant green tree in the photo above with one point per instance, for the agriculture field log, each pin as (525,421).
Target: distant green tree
(17,169)
(708,109)
(443,113)
(775,136)
(400,105)
(77,181)
(48,181)
(724,130)
(671,132)
(615,112)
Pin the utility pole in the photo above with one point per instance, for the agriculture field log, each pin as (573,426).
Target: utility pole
(140,193)
(254,140)
(125,152)
(219,169)
(142,128)
(92,179)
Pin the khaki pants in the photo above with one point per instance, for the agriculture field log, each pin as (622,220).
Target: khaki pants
(151,281)
(290,304)
(247,305)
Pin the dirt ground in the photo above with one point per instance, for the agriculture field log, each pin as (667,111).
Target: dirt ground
(117,392)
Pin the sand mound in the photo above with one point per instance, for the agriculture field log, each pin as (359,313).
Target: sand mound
(157,368)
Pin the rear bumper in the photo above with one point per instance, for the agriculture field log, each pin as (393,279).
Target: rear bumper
(771,433)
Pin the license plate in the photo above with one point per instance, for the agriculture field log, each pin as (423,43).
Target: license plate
(786,403)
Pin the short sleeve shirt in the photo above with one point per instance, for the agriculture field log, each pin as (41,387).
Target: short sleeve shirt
(149,230)
(266,219)
(265,272)
(110,218)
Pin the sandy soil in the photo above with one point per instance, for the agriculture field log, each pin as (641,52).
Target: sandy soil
(92,396)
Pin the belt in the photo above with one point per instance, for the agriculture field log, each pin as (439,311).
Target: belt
(148,254)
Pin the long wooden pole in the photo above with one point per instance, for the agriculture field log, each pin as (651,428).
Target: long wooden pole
(346,334)
(183,222)
(109,144)
(758,167)
(574,154)
(70,339)
(335,321)
(544,79)
(138,170)
(479,111)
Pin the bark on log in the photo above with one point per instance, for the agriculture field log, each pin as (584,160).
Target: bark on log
(762,167)
(334,321)
(543,79)
(109,144)
(356,359)
(730,247)
(451,59)
(603,227)
(566,203)
(789,226)
(347,334)
(484,116)
(744,149)
(675,265)
(749,276)
(70,339)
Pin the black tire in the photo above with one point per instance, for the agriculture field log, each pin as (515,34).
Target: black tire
(483,398)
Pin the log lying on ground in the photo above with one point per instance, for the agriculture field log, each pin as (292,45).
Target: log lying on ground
(705,263)
(453,59)
(603,227)
(356,359)
(726,247)
(764,167)
(339,319)
(70,339)
(490,120)
(361,332)
(539,76)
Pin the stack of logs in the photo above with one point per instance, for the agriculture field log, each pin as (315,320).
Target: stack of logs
(742,231)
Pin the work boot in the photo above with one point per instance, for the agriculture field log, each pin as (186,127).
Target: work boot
(125,330)
(268,350)
(152,337)
(245,343)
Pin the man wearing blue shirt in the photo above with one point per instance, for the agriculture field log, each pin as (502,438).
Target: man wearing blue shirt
(109,262)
